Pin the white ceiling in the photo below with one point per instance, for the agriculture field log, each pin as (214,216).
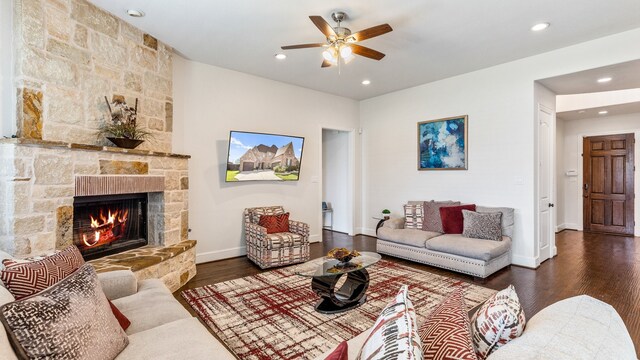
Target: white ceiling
(614,110)
(432,39)
(624,76)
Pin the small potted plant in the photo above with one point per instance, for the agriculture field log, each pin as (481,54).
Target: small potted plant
(123,129)
(386,214)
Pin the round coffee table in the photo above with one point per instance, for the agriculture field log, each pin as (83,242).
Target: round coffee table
(325,273)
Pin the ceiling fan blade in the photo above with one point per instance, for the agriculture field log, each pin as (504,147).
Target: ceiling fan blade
(366,52)
(324,26)
(302,46)
(326,63)
(372,32)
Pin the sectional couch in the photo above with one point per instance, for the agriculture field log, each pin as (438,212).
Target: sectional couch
(476,257)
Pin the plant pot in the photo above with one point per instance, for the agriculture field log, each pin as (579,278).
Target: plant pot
(125,143)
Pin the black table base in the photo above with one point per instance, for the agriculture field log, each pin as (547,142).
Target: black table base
(349,296)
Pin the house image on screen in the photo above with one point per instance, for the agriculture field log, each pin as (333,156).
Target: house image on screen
(268,157)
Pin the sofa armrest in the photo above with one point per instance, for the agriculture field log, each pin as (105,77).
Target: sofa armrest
(298,227)
(394,223)
(254,231)
(118,284)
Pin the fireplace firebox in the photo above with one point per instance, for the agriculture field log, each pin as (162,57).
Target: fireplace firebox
(104,225)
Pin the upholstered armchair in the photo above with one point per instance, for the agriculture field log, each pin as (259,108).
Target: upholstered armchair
(277,249)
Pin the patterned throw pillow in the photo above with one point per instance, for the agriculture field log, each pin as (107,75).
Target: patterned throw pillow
(25,279)
(413,216)
(486,226)
(395,333)
(499,320)
(446,334)
(71,320)
(271,210)
(340,353)
(432,220)
(275,223)
(452,220)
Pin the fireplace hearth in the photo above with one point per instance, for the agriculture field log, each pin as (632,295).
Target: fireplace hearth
(105,225)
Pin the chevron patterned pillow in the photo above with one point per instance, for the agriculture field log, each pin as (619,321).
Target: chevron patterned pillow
(446,333)
(26,279)
(275,223)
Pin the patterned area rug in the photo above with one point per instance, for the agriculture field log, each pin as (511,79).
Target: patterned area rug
(272,316)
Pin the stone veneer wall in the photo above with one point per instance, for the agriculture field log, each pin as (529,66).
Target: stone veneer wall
(37,186)
(69,55)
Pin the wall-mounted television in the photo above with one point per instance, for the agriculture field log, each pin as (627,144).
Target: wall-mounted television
(263,157)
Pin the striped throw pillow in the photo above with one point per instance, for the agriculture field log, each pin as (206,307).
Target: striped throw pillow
(413,216)
(395,333)
(26,279)
(499,320)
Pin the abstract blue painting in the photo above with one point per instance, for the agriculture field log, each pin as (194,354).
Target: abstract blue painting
(442,144)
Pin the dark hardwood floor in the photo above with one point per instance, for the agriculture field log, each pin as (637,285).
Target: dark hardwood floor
(604,267)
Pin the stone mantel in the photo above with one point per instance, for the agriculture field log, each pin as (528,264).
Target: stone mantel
(108,149)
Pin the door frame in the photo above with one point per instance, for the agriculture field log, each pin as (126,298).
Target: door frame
(552,183)
(578,198)
(351,183)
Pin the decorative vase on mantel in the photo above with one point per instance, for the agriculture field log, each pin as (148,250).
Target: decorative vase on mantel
(123,129)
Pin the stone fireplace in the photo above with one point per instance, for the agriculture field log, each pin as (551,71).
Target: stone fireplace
(55,172)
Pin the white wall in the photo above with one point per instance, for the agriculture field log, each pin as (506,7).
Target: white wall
(500,103)
(592,100)
(208,103)
(574,131)
(335,178)
(7,125)
(560,176)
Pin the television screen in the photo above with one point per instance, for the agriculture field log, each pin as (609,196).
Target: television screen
(263,157)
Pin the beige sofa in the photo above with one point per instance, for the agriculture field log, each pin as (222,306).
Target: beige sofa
(578,328)
(161,328)
(476,257)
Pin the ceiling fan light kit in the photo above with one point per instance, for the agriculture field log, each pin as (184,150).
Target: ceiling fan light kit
(341,43)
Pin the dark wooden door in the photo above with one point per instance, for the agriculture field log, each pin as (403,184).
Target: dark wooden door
(608,184)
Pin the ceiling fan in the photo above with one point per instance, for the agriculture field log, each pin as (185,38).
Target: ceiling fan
(341,43)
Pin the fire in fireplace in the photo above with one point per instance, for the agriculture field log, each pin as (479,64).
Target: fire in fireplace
(104,225)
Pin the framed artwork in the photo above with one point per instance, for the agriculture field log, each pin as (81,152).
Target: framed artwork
(442,144)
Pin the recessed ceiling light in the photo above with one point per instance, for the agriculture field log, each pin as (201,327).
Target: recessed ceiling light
(135,13)
(540,26)
(366,82)
(603,112)
(281,56)
(604,79)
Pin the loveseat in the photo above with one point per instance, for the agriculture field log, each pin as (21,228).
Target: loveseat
(161,328)
(476,257)
(578,328)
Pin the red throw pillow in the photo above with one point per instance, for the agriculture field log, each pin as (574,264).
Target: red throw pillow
(122,320)
(340,353)
(26,279)
(452,219)
(276,223)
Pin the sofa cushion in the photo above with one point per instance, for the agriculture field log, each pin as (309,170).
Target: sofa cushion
(413,237)
(578,328)
(282,240)
(452,220)
(70,320)
(508,218)
(473,248)
(339,353)
(413,215)
(180,339)
(486,226)
(152,306)
(5,347)
(432,220)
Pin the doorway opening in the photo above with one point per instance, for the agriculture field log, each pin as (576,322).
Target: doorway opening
(338,180)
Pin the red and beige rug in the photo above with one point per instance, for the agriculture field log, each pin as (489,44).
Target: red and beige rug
(271,315)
